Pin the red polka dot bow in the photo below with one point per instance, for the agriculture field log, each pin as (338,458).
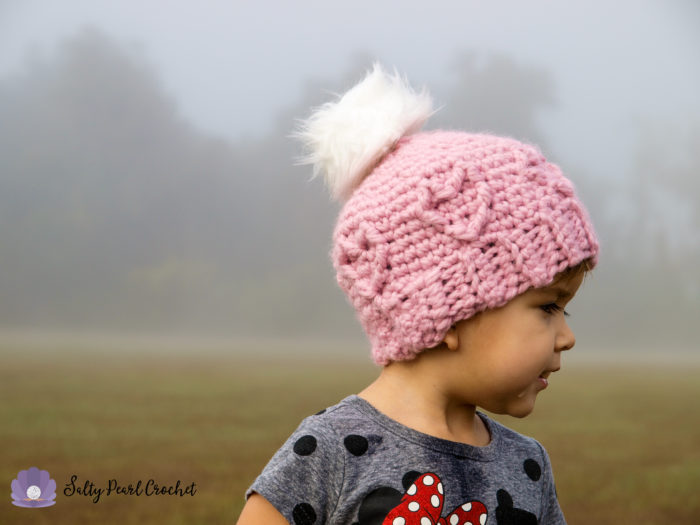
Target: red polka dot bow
(422,505)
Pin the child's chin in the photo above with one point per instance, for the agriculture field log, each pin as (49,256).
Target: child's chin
(518,410)
(521,415)
(521,410)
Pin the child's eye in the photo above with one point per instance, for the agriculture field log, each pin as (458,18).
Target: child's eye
(552,308)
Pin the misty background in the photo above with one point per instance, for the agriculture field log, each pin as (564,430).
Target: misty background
(148,184)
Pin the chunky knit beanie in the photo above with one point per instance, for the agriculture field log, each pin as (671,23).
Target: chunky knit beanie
(436,226)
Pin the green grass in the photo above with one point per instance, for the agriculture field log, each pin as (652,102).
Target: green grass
(624,440)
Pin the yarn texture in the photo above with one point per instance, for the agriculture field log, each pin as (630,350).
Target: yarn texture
(448,225)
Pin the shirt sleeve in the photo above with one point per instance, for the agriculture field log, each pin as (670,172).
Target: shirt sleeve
(551,511)
(304,478)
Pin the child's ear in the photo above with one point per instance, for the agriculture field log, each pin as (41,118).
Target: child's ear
(451,338)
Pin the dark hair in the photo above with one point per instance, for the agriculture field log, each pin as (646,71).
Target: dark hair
(583,267)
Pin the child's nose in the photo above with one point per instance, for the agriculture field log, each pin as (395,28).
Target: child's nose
(565,338)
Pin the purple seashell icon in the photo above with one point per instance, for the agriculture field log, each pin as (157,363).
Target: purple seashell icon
(33,488)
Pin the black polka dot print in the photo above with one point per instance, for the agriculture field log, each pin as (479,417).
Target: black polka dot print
(305,446)
(377,504)
(532,469)
(304,514)
(508,514)
(356,445)
(504,498)
(409,478)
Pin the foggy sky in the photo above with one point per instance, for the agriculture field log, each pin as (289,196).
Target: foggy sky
(233,66)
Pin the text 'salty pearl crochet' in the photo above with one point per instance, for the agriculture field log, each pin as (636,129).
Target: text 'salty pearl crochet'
(447,225)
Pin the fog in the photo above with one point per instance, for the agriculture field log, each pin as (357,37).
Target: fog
(148,184)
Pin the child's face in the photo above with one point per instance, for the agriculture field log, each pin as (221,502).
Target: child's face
(505,355)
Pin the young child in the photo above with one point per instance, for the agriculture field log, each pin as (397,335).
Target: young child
(459,253)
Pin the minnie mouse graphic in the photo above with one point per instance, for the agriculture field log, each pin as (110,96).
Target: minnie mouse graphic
(422,505)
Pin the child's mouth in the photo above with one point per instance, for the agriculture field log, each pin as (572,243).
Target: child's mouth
(543,379)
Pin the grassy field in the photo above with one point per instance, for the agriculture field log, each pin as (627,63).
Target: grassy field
(624,440)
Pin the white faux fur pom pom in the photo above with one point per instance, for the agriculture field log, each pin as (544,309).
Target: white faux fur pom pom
(347,138)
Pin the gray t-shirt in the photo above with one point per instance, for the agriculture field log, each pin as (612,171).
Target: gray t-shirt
(351,464)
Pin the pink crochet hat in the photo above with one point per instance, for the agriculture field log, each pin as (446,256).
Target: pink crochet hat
(437,226)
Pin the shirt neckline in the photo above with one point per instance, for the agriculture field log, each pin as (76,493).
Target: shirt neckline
(461,450)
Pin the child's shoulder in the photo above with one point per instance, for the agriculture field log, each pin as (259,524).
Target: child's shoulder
(354,426)
(352,420)
(344,419)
